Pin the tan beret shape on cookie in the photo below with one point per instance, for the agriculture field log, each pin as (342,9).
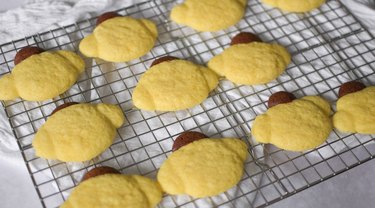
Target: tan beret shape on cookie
(120,39)
(356,112)
(98,171)
(252,63)
(244,37)
(186,138)
(42,76)
(350,87)
(297,126)
(174,85)
(65,105)
(115,191)
(163,59)
(209,15)
(205,167)
(295,5)
(279,98)
(106,16)
(25,53)
(79,132)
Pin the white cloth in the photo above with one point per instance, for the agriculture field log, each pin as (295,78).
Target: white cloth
(41,15)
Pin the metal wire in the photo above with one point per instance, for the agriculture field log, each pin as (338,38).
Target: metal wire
(329,47)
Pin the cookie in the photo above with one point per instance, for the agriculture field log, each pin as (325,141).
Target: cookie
(209,15)
(295,5)
(97,171)
(251,63)
(205,167)
(79,132)
(297,125)
(115,191)
(40,76)
(174,85)
(187,138)
(355,109)
(119,39)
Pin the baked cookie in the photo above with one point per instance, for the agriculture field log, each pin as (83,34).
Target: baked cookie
(205,167)
(295,125)
(78,132)
(249,61)
(295,5)
(209,15)
(119,39)
(40,75)
(173,85)
(355,109)
(116,191)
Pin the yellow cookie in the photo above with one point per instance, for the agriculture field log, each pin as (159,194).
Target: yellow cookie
(79,132)
(115,191)
(251,63)
(209,15)
(297,126)
(356,112)
(120,39)
(174,85)
(205,167)
(42,76)
(295,5)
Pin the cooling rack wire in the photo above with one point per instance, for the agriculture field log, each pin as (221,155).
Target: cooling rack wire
(329,47)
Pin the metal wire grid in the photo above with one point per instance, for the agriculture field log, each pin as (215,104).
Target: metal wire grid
(329,47)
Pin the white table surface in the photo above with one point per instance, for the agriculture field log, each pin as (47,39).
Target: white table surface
(354,188)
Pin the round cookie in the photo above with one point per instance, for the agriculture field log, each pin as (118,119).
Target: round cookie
(79,132)
(205,167)
(295,5)
(115,191)
(251,63)
(174,85)
(119,39)
(39,75)
(295,125)
(209,15)
(355,109)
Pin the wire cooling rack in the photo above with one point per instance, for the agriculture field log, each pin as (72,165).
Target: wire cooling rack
(329,47)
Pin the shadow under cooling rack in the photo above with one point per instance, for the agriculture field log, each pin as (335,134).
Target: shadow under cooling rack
(329,47)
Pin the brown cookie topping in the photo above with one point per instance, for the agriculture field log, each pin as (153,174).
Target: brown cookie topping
(245,37)
(25,53)
(106,16)
(99,171)
(350,87)
(162,59)
(186,138)
(279,98)
(65,105)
